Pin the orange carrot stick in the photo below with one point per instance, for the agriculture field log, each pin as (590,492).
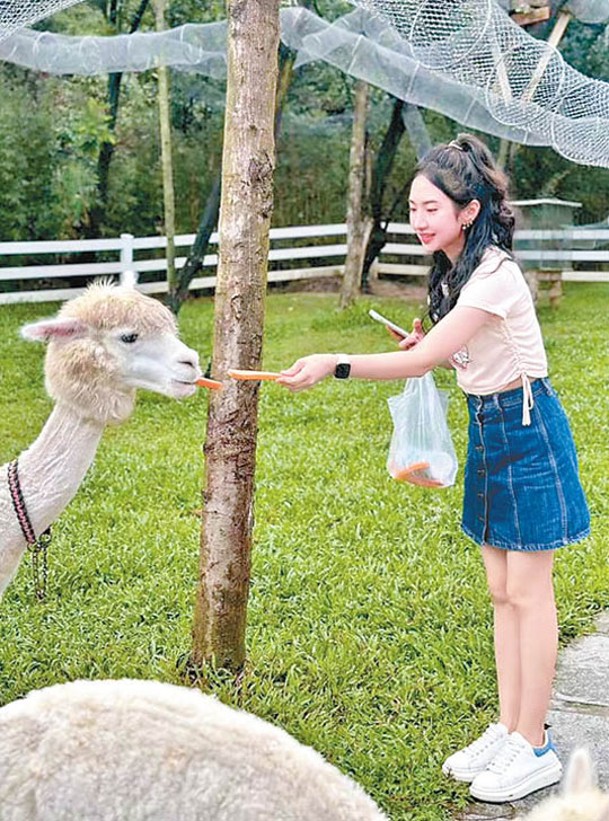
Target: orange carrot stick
(263,376)
(422,481)
(212,384)
(404,473)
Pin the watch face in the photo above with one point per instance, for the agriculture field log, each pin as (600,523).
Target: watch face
(342,370)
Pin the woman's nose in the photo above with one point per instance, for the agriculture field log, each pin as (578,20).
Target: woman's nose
(418,221)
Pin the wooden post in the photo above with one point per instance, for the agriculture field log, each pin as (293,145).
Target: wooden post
(128,274)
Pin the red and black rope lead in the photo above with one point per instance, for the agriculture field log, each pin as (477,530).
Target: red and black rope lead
(38,545)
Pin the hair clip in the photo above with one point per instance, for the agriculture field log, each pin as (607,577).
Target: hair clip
(455,144)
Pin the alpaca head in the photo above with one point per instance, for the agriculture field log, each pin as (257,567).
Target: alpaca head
(581,799)
(108,342)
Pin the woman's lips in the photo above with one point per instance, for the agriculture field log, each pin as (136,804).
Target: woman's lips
(426,238)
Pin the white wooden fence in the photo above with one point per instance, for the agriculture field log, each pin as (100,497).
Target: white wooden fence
(309,253)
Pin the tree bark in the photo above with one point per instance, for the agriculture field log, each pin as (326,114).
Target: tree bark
(356,224)
(169,206)
(230,447)
(106,152)
(405,117)
(196,255)
(417,130)
(380,173)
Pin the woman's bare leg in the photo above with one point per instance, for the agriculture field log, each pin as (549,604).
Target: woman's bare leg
(530,593)
(507,636)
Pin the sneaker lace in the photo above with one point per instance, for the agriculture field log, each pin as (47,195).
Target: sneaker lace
(505,756)
(487,738)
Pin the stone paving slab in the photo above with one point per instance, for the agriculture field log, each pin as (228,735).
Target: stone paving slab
(573,728)
(583,671)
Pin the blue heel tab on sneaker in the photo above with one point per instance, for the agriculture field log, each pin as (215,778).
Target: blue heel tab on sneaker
(549,745)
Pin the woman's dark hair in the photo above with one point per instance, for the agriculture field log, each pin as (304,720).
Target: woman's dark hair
(465,170)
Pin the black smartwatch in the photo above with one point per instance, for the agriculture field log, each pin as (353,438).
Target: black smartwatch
(343,366)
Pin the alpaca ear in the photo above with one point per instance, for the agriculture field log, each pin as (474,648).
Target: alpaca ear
(580,773)
(57,328)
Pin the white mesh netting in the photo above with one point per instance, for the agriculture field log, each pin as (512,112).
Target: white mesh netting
(463,58)
(14,14)
(198,48)
(526,82)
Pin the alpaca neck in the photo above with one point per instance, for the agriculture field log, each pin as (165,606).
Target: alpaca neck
(52,468)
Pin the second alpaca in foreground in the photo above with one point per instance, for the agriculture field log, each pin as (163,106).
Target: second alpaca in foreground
(581,799)
(142,750)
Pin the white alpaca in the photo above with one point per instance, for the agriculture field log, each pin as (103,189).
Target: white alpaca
(581,800)
(102,346)
(132,750)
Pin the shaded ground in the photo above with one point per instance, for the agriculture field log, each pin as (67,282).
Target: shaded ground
(411,291)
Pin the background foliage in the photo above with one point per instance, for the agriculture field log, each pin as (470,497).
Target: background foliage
(52,129)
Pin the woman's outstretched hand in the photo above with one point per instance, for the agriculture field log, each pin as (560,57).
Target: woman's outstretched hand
(413,338)
(307,371)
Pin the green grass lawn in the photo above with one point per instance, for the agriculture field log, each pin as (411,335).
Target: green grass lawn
(369,624)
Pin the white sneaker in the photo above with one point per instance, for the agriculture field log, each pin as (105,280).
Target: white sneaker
(517,770)
(473,759)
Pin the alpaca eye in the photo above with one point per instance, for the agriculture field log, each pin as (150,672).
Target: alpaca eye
(129,338)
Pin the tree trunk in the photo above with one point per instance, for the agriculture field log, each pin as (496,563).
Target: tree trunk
(405,117)
(380,173)
(417,130)
(356,226)
(196,255)
(166,160)
(230,447)
(106,151)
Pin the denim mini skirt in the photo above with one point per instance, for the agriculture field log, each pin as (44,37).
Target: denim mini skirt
(522,487)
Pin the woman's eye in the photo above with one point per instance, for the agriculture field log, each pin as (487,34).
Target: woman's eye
(129,338)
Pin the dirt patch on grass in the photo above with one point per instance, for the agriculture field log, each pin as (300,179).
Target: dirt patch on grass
(390,288)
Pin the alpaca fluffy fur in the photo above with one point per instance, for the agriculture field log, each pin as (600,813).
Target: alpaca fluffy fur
(83,371)
(581,799)
(133,750)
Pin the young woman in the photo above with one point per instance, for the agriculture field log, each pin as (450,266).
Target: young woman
(523,498)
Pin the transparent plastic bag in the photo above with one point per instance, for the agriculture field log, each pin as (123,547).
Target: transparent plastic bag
(421,449)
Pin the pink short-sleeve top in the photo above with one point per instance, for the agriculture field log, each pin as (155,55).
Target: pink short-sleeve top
(509,346)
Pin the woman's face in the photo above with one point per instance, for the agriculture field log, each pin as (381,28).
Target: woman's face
(435,218)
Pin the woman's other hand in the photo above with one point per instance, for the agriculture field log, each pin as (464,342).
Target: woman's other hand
(413,338)
(307,371)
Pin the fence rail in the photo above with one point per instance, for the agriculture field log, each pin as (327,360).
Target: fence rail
(140,258)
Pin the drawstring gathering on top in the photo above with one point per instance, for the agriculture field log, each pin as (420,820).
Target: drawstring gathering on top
(527,400)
